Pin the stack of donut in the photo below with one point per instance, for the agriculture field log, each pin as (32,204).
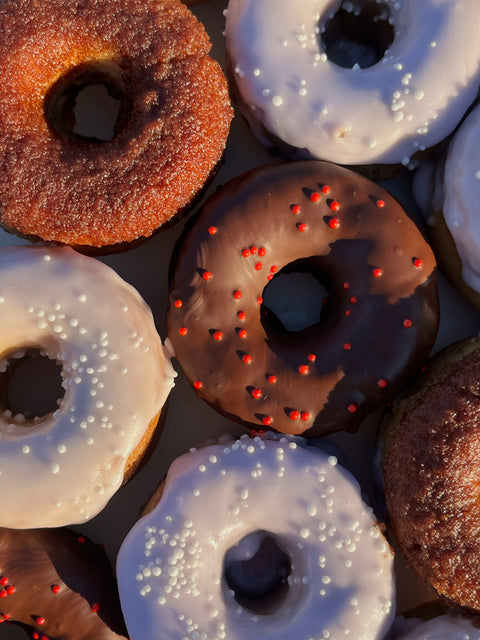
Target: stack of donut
(263,533)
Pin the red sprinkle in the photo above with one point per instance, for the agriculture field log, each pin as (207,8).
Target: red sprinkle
(301,226)
(377,272)
(82,539)
(315,196)
(267,420)
(353,300)
(305,416)
(258,266)
(272,379)
(274,268)
(198,384)
(237,294)
(326,189)
(3,593)
(253,250)
(294,414)
(242,333)
(178,304)
(217,335)
(212,230)
(418,263)
(347,346)
(380,203)
(296,209)
(262,251)
(312,357)
(382,383)
(95,607)
(347,312)
(183,331)
(40,620)
(259,300)
(241,315)
(55,588)
(245,253)
(352,407)
(4,580)
(334,223)
(407,323)
(206,275)
(257,432)
(334,205)
(257,394)
(346,285)
(247,358)
(10,589)
(303,369)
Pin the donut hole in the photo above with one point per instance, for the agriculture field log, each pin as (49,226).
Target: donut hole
(358,34)
(89,103)
(256,571)
(294,299)
(30,385)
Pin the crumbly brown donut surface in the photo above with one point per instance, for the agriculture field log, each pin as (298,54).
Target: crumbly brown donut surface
(173,120)
(431,469)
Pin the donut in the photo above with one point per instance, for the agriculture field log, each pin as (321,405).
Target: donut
(306,217)
(445,627)
(254,538)
(173,118)
(59,585)
(447,190)
(63,467)
(430,472)
(411,73)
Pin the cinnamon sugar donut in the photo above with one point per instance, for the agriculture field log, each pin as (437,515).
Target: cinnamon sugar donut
(346,232)
(63,467)
(59,585)
(420,76)
(431,471)
(170,133)
(254,538)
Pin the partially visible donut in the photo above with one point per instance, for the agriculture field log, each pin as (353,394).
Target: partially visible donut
(376,328)
(170,134)
(299,98)
(445,627)
(257,538)
(448,190)
(431,471)
(59,585)
(63,467)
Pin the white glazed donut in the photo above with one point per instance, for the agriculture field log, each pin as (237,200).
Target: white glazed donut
(64,467)
(219,503)
(409,100)
(452,187)
(444,627)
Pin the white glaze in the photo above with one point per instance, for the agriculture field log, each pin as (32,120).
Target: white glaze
(408,101)
(445,627)
(457,195)
(170,571)
(65,468)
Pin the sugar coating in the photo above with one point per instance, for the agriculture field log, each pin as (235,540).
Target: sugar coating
(64,467)
(445,627)
(170,566)
(408,101)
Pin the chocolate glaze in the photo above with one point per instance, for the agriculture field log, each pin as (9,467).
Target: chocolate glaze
(59,584)
(377,327)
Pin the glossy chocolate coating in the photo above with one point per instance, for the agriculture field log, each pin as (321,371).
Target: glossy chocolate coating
(378,324)
(59,584)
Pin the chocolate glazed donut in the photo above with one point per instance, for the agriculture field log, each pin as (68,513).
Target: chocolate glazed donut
(58,584)
(377,325)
